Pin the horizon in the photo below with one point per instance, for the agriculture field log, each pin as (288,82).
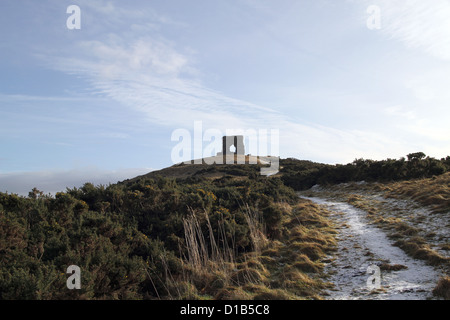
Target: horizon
(106,180)
(100,100)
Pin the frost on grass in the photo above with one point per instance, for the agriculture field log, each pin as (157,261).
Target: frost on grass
(361,244)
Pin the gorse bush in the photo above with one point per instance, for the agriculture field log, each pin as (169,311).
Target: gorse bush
(302,175)
(129,239)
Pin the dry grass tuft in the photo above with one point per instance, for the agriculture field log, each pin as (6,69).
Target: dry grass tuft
(309,214)
(392,267)
(433,192)
(261,292)
(272,294)
(304,234)
(442,289)
(307,266)
(255,223)
(421,251)
(246,276)
(233,293)
(313,250)
(404,228)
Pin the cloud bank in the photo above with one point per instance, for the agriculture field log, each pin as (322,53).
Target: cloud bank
(52,181)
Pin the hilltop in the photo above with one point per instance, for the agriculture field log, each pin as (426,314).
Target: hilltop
(207,168)
(304,174)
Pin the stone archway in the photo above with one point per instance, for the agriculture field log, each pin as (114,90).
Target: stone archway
(233,141)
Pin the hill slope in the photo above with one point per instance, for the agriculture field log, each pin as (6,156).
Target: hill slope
(199,232)
(205,231)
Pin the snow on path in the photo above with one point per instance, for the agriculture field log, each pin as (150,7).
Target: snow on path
(361,245)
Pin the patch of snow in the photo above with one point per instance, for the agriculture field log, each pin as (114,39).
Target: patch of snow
(361,244)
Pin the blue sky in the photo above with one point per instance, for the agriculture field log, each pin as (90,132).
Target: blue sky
(100,103)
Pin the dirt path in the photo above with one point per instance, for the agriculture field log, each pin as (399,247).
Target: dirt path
(360,245)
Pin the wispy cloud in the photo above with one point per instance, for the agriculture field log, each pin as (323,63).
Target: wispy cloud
(151,76)
(418,24)
(144,71)
(147,72)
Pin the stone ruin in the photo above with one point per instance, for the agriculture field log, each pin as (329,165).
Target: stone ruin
(236,156)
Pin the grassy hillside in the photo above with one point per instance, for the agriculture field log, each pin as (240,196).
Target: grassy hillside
(216,233)
(189,232)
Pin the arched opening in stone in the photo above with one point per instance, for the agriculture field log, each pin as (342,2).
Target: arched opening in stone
(233,145)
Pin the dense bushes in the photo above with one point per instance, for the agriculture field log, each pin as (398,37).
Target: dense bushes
(127,238)
(302,175)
